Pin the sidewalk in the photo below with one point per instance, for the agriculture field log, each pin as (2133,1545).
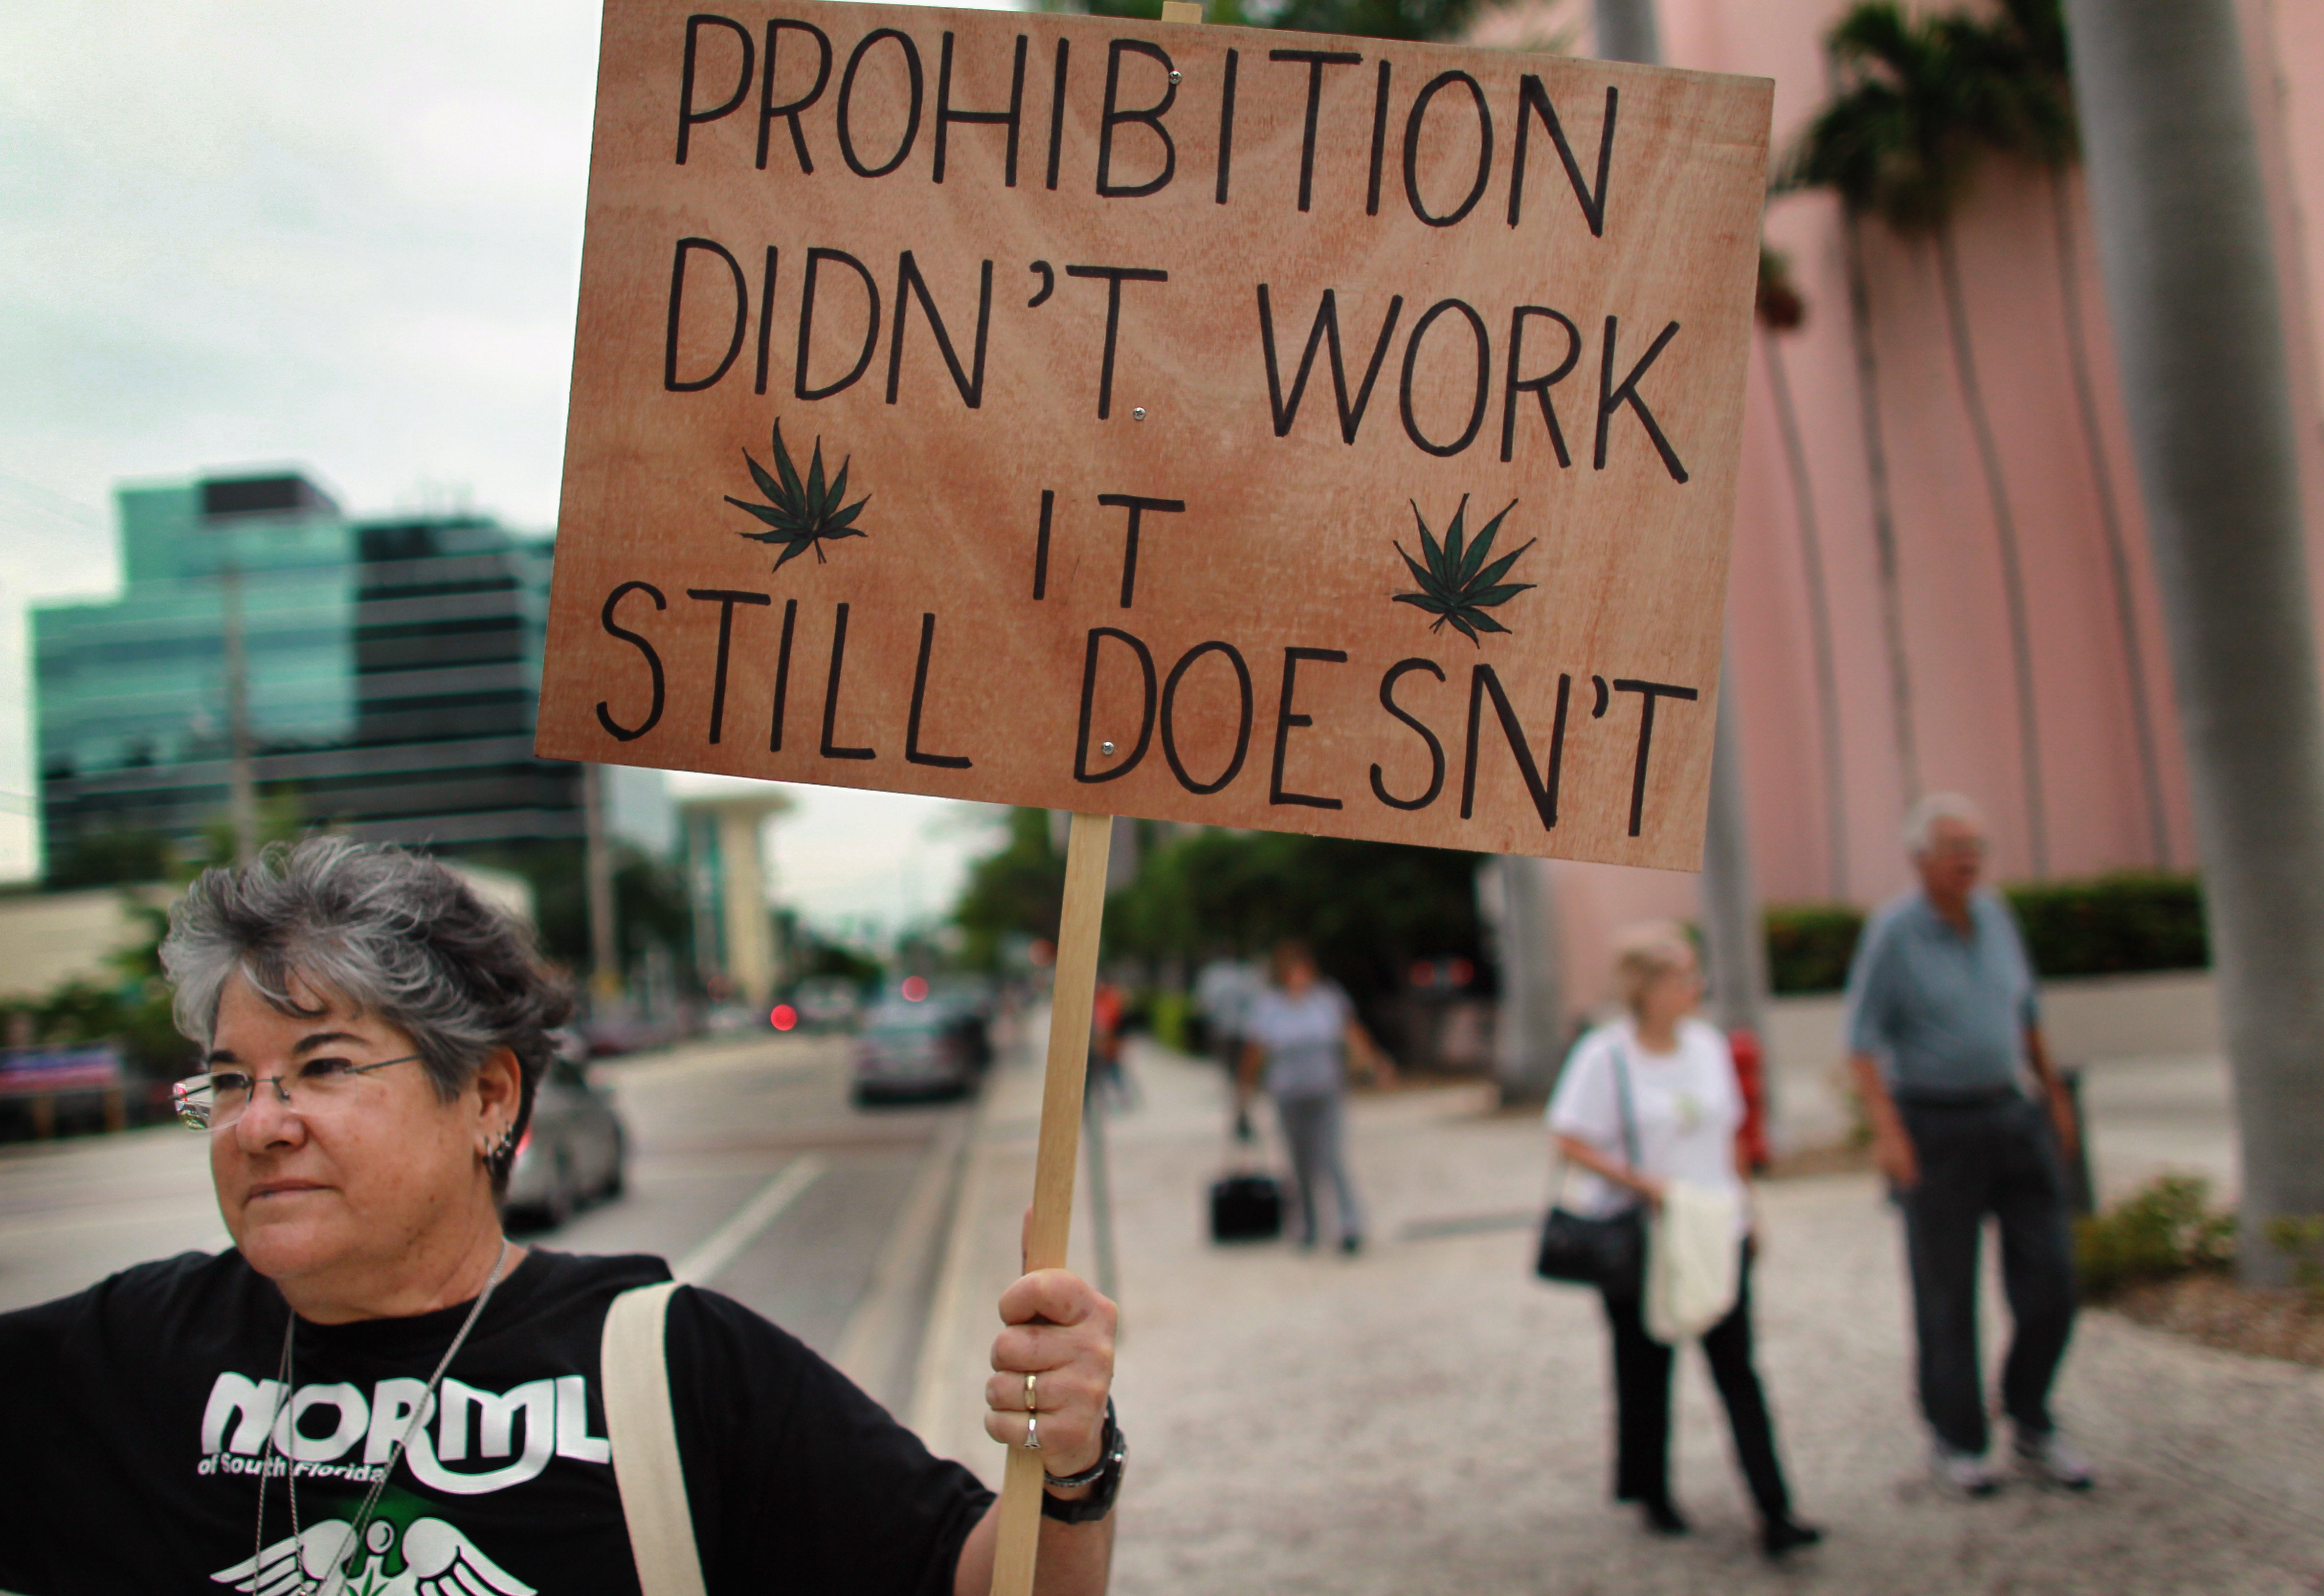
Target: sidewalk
(1427,1417)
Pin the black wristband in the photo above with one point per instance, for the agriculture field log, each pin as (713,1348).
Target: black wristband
(1105,1475)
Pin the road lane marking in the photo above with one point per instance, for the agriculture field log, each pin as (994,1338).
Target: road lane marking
(191,1208)
(769,1057)
(723,1245)
(870,1345)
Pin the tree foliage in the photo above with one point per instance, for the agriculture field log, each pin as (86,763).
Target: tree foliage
(1016,891)
(1367,908)
(651,903)
(1917,100)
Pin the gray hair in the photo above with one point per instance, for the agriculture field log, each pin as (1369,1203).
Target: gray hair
(1644,954)
(389,932)
(1921,821)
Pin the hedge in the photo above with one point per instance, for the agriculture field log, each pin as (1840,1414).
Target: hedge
(1809,946)
(2116,925)
(2111,925)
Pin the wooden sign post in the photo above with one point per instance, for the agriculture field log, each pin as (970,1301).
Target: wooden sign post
(1217,424)
(1058,1156)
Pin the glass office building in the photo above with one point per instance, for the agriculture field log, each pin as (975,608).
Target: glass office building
(393,673)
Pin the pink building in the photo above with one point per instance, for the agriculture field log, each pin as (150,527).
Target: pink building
(2096,807)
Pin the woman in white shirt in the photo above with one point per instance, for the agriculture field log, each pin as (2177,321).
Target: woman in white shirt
(1684,1110)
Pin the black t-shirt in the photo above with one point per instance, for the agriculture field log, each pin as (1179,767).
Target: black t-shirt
(138,1418)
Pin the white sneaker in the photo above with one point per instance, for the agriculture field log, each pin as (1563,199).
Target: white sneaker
(2055,1460)
(1961,1473)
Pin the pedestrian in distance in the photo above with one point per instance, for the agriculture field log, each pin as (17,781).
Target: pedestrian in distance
(1300,1034)
(266,1420)
(1944,1041)
(1647,1109)
(1224,991)
(1106,1079)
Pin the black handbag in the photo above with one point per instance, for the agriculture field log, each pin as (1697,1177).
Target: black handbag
(1611,1251)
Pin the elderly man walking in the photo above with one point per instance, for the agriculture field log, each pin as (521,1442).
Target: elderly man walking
(1944,1041)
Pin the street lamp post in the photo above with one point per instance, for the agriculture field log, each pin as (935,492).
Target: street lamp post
(604,939)
(242,783)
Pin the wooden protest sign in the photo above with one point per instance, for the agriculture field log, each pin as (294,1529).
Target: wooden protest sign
(1317,434)
(1221,425)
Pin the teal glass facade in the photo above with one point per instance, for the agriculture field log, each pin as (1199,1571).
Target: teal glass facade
(392,673)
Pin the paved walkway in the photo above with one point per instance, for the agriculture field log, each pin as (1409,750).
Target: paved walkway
(1427,1417)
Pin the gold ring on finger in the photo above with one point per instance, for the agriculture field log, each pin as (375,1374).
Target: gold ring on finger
(1032,1396)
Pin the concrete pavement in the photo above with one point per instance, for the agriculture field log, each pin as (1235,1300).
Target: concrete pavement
(1428,1417)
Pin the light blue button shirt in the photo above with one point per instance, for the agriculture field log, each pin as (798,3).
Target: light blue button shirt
(1944,1013)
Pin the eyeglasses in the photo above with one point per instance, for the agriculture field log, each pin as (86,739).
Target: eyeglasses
(217,1101)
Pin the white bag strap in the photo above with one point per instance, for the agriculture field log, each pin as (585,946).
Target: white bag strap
(644,1436)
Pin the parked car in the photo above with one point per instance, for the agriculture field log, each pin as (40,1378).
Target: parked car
(736,1020)
(619,1031)
(825,1002)
(922,1049)
(574,1151)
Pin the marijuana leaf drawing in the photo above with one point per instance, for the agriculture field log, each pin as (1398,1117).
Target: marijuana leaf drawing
(1456,584)
(799,515)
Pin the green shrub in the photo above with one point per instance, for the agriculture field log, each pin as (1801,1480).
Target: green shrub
(2301,1239)
(1809,946)
(2112,925)
(2167,1228)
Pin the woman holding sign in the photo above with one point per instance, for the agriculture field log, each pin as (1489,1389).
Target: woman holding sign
(1649,1108)
(376,1385)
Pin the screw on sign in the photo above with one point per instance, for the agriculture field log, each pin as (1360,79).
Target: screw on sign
(1214,425)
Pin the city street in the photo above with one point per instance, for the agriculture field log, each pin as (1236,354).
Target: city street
(1426,1417)
(750,1171)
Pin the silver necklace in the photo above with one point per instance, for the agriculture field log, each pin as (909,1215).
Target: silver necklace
(304,1587)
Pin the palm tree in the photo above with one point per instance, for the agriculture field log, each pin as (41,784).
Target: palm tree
(2027,47)
(2185,244)
(1914,103)
(1780,309)
(1884,514)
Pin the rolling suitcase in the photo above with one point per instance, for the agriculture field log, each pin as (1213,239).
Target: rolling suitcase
(1246,1206)
(1246,1202)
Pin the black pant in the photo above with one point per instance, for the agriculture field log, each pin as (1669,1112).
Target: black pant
(2001,1159)
(1642,1403)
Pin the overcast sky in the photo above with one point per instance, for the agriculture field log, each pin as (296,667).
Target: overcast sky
(344,238)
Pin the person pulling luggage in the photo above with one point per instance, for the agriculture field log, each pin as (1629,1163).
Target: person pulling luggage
(1299,1035)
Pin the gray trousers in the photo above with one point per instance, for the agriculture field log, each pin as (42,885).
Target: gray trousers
(1997,1159)
(1316,1129)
